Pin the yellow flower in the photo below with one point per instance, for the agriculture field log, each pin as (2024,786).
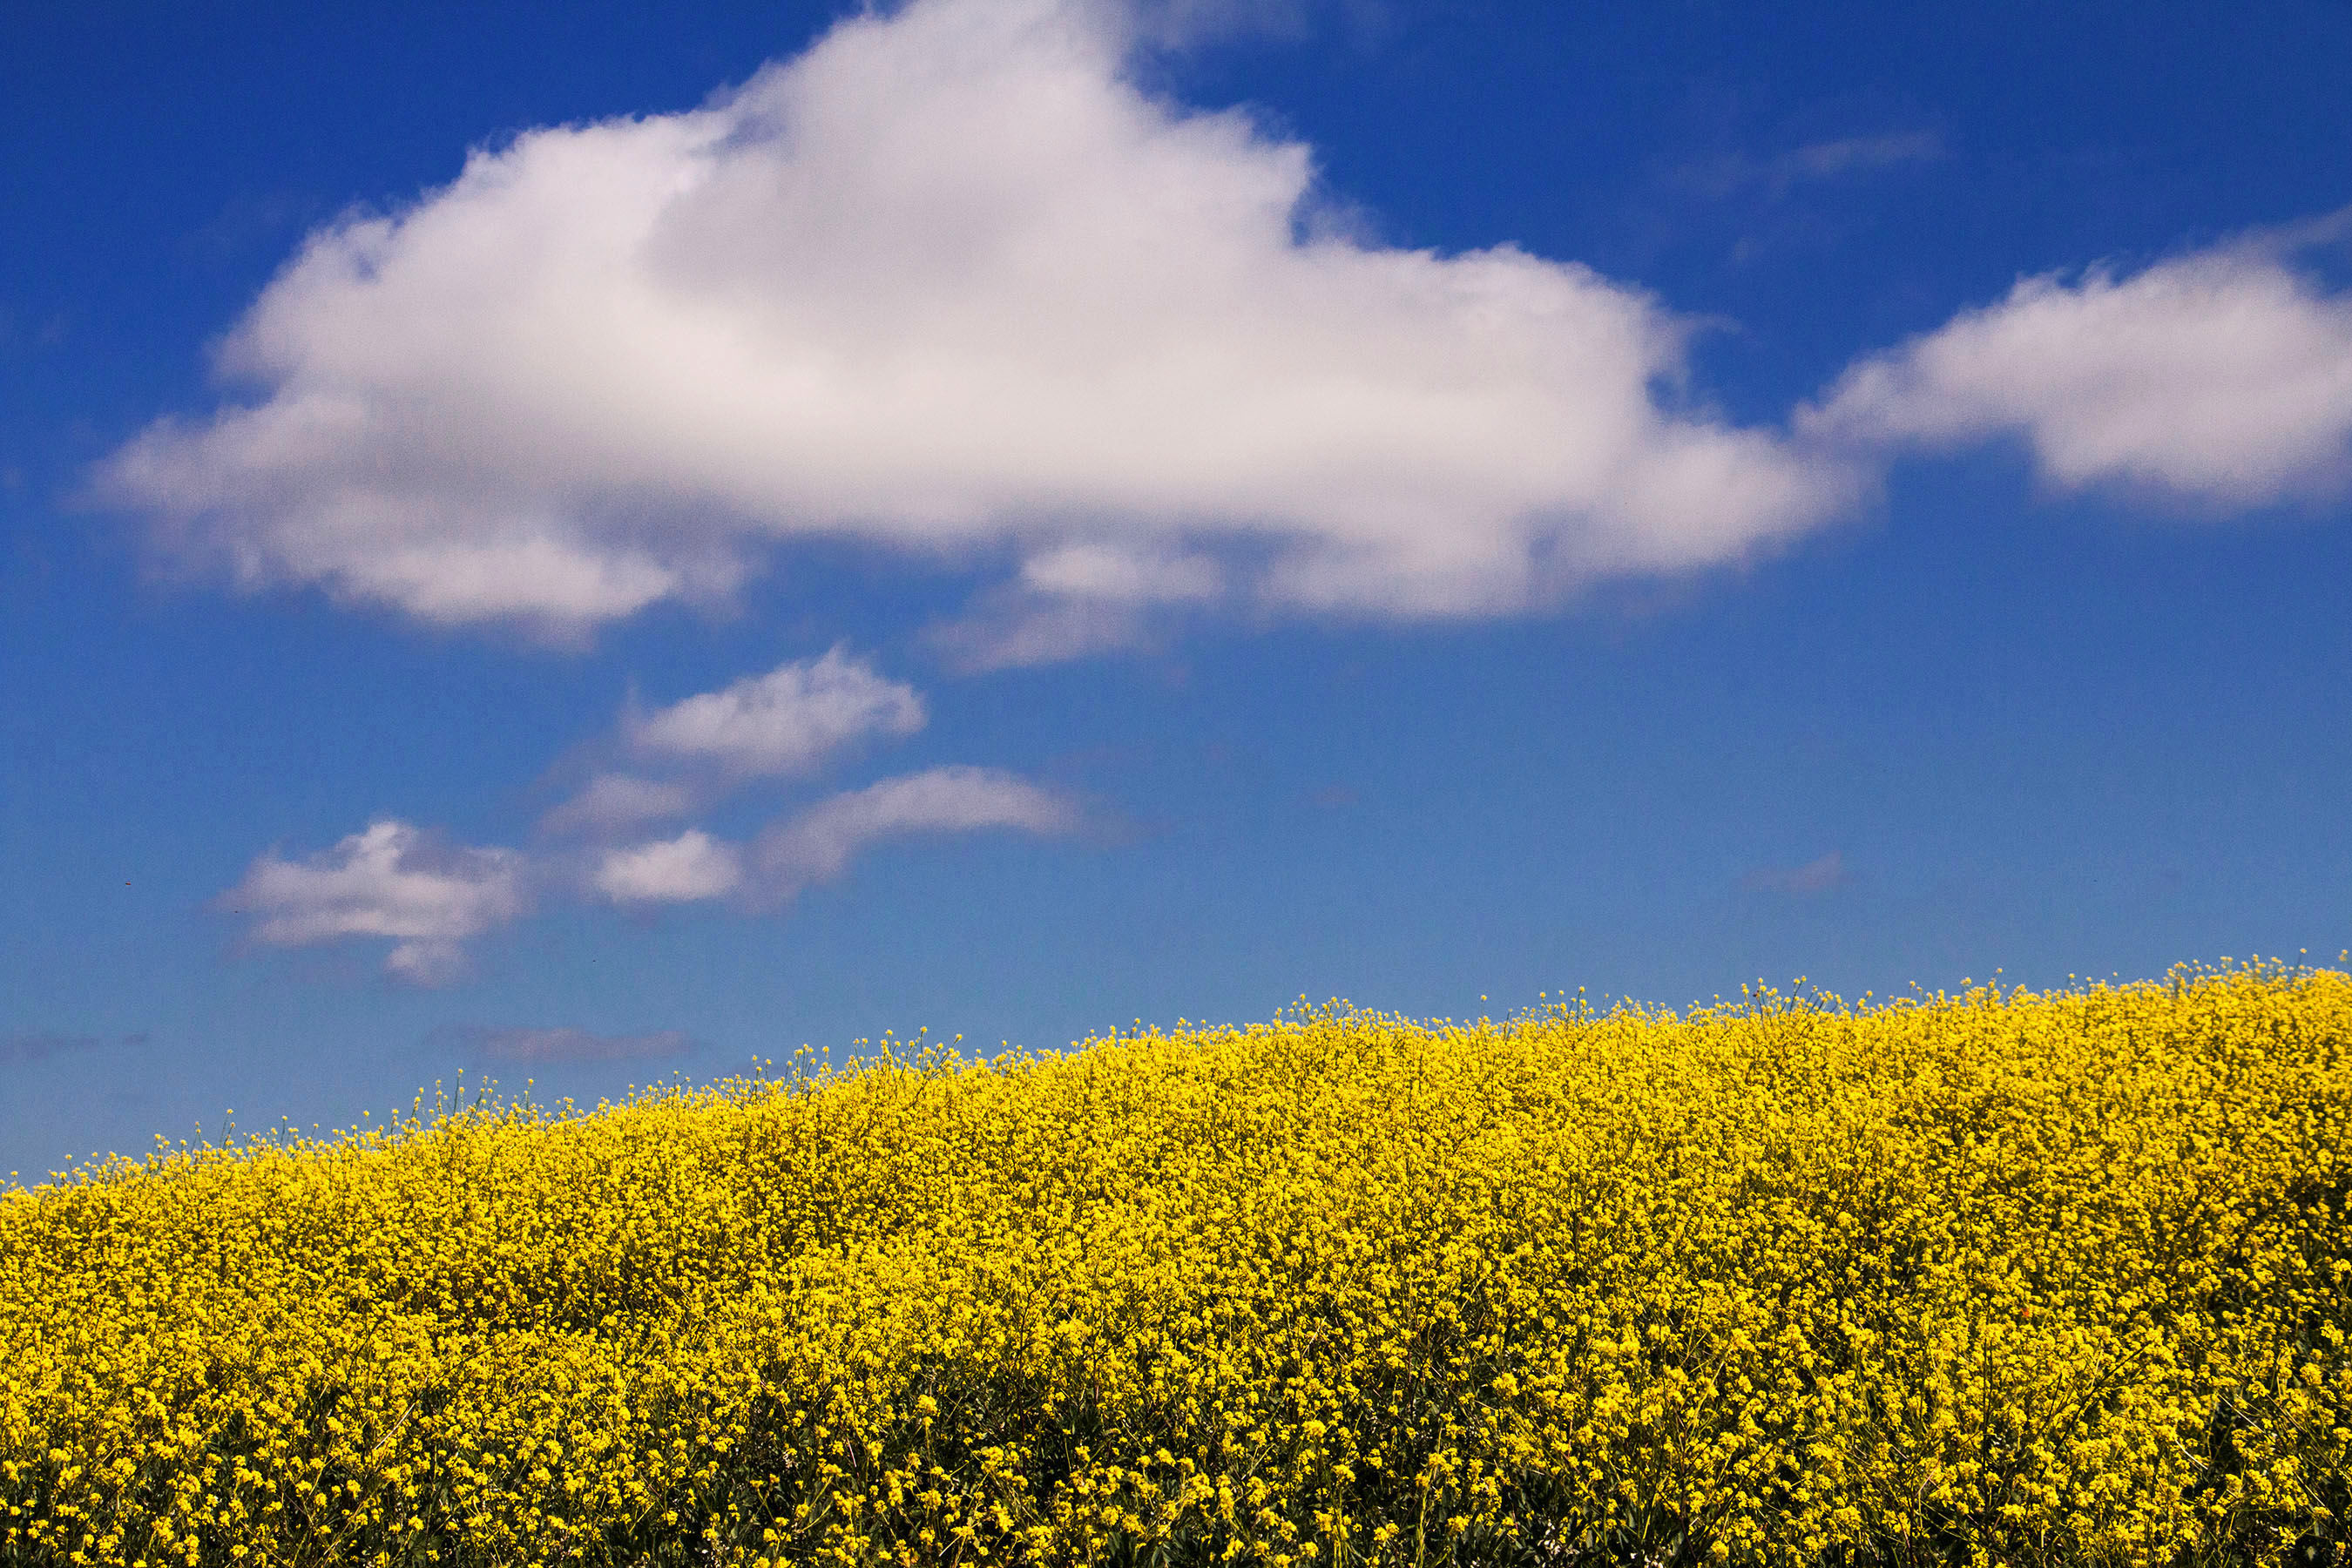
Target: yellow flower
(1986,1276)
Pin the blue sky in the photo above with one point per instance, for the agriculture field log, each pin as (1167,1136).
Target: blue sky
(590,543)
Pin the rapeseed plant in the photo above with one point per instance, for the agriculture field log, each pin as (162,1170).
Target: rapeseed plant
(1995,1279)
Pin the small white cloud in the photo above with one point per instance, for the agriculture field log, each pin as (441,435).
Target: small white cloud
(1824,875)
(427,964)
(782,723)
(818,845)
(390,881)
(1857,154)
(1816,161)
(950,284)
(614,803)
(787,723)
(1011,629)
(429,896)
(2223,377)
(691,866)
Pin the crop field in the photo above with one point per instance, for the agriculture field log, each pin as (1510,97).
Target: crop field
(1988,1279)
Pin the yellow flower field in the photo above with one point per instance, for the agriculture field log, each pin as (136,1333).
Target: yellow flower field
(1995,1279)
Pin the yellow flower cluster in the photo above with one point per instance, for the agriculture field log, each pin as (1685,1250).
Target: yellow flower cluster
(1979,1280)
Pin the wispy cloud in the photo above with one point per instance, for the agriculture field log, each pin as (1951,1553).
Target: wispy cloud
(1853,155)
(1776,176)
(818,845)
(615,803)
(1013,627)
(41,1045)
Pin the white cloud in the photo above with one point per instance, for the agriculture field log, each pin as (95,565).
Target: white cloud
(2222,378)
(613,803)
(691,866)
(1122,577)
(948,284)
(1824,875)
(1013,627)
(390,881)
(1077,600)
(1854,154)
(1177,24)
(1842,158)
(426,962)
(393,880)
(782,723)
(787,723)
(818,845)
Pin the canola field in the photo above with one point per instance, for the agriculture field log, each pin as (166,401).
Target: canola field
(1990,1278)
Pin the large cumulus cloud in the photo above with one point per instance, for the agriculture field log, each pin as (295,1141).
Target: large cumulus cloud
(948,284)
